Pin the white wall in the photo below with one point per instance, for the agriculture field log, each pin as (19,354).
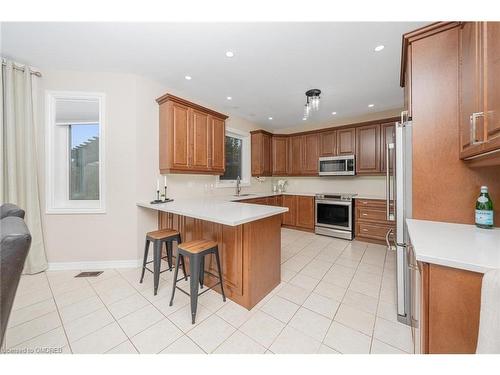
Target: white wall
(131,147)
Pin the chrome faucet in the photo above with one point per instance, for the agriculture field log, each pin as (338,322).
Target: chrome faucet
(238,185)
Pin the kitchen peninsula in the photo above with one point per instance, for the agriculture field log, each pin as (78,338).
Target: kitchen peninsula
(249,238)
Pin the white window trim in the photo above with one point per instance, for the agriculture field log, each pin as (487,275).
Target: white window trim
(246,163)
(77,207)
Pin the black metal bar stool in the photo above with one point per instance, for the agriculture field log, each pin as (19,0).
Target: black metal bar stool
(158,237)
(195,251)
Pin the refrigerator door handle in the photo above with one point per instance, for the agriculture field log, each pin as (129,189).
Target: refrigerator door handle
(389,147)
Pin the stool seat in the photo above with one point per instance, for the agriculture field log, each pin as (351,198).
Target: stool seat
(197,246)
(162,233)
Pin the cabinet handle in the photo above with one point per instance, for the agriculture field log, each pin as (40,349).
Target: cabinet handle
(365,230)
(472,120)
(364,214)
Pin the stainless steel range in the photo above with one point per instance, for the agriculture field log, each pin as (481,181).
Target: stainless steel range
(334,215)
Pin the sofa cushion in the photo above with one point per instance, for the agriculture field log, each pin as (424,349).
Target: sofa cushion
(9,209)
(14,247)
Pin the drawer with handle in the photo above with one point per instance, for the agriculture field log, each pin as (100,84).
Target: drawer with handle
(371,214)
(373,231)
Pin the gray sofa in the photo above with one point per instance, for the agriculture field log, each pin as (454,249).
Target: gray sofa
(14,247)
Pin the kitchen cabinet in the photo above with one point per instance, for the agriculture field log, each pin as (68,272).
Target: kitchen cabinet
(479,68)
(279,155)
(290,217)
(305,217)
(191,137)
(310,154)
(387,136)
(261,153)
(217,145)
(346,141)
(368,149)
(328,143)
(371,224)
(295,152)
(450,304)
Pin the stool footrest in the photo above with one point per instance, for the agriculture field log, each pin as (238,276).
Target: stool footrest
(199,294)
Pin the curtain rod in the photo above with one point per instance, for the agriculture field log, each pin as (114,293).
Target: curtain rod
(21,69)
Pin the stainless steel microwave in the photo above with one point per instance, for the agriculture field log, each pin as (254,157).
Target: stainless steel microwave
(343,165)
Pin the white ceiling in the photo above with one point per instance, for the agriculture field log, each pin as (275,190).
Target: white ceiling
(273,66)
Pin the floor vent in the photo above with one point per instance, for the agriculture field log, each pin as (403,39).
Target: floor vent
(89,274)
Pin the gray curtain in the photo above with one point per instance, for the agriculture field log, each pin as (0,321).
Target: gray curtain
(18,157)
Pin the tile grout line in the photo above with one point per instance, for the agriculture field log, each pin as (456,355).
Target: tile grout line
(59,314)
(378,302)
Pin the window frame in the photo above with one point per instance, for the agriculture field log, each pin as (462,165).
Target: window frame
(245,159)
(55,204)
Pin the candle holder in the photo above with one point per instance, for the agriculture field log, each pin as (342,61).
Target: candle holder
(165,199)
(157,200)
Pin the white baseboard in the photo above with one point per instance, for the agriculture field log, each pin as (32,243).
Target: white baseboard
(94,265)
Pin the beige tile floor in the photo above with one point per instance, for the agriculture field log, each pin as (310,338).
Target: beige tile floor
(336,296)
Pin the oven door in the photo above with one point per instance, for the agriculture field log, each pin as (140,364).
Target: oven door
(334,214)
(336,166)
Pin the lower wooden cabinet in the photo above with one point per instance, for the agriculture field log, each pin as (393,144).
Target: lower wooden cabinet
(371,223)
(450,304)
(300,215)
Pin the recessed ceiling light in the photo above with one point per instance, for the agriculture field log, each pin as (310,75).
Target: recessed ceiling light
(334,113)
(371,105)
(304,118)
(270,118)
(229,98)
(379,48)
(229,53)
(188,78)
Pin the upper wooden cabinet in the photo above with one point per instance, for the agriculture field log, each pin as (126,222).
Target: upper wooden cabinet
(261,153)
(296,157)
(297,154)
(191,137)
(328,143)
(368,149)
(279,155)
(479,69)
(346,141)
(310,153)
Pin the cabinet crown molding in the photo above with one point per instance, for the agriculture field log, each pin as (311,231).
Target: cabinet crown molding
(169,97)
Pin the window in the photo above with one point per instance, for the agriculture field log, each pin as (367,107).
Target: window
(237,149)
(75,152)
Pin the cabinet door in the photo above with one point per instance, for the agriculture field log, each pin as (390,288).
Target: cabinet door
(290,201)
(387,136)
(199,140)
(310,154)
(305,212)
(470,89)
(407,88)
(261,154)
(279,155)
(346,144)
(218,141)
(368,149)
(180,141)
(266,155)
(328,142)
(491,31)
(296,155)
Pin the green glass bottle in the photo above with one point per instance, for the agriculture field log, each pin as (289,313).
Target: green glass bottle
(484,209)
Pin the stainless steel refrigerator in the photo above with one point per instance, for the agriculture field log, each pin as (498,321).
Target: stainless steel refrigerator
(399,208)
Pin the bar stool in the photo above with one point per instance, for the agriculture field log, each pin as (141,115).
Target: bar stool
(158,237)
(195,251)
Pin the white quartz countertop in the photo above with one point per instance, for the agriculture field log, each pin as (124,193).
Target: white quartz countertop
(217,209)
(455,245)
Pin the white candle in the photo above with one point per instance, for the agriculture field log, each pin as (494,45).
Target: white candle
(164,181)
(157,184)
